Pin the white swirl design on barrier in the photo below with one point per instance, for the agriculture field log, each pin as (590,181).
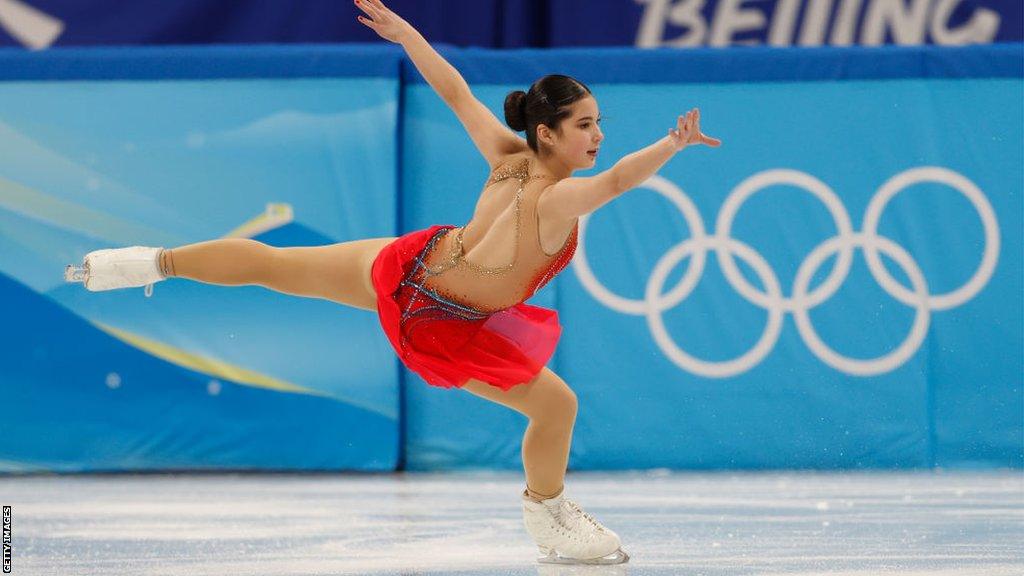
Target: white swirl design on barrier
(801,301)
(30,26)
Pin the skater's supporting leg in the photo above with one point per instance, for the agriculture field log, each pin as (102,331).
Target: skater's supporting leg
(337,272)
(551,406)
(564,533)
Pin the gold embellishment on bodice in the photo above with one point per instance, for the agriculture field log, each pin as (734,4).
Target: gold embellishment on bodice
(520,171)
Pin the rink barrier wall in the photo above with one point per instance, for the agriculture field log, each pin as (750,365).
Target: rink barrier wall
(336,120)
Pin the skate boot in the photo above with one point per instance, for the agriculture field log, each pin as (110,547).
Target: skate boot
(118,268)
(566,534)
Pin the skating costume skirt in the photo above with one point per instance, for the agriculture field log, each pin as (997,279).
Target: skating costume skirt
(446,342)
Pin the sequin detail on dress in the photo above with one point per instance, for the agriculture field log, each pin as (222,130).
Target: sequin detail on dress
(498,287)
(457,255)
(448,338)
(424,305)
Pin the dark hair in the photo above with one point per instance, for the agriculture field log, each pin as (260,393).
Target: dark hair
(548,102)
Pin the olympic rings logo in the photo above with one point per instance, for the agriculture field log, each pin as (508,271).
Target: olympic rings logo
(803,299)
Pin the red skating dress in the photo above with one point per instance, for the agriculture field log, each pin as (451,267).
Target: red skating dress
(451,319)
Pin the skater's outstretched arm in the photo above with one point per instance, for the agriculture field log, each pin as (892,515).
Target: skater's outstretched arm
(580,196)
(490,135)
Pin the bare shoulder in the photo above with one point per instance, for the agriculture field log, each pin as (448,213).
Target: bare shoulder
(547,206)
(573,197)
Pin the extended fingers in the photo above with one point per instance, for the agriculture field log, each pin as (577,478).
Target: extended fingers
(367,7)
(382,10)
(688,123)
(700,136)
(370,23)
(688,128)
(714,142)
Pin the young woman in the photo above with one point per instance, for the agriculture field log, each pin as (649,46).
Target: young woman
(451,299)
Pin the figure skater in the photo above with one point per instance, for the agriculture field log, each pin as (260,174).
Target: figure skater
(451,299)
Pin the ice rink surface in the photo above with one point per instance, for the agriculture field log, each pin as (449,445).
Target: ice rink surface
(727,523)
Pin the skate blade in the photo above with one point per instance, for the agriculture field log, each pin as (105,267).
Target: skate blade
(74,273)
(617,557)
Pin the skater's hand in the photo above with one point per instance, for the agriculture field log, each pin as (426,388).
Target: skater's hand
(384,22)
(687,132)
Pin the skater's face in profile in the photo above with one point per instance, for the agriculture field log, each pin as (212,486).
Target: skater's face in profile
(578,137)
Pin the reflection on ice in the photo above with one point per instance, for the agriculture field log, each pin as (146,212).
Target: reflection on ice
(854,524)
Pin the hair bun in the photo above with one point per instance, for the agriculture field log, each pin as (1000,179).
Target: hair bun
(515,110)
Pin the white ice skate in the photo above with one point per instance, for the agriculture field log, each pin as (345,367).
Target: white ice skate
(118,268)
(566,534)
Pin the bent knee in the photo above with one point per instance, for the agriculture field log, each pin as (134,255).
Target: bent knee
(559,407)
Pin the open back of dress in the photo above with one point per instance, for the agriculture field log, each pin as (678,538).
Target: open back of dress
(496,260)
(451,299)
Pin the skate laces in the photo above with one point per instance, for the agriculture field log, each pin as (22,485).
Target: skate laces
(574,522)
(579,513)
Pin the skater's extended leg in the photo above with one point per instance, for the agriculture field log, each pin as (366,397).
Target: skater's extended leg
(551,407)
(337,272)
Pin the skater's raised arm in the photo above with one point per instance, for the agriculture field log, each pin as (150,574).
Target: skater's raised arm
(574,197)
(491,137)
